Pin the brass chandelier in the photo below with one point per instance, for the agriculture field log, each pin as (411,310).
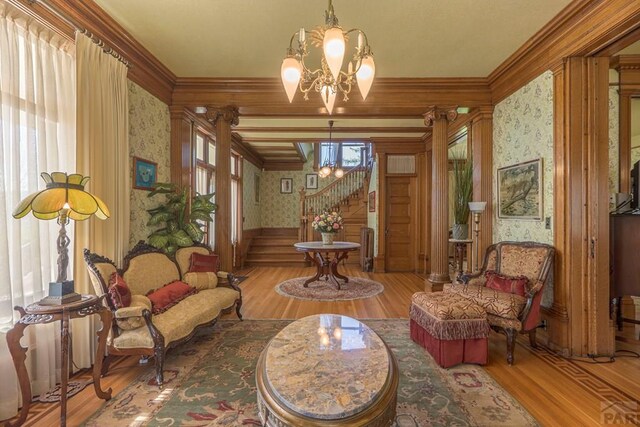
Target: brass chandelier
(330,164)
(329,79)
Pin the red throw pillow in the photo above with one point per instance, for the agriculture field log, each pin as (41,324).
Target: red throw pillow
(203,263)
(169,295)
(512,285)
(119,292)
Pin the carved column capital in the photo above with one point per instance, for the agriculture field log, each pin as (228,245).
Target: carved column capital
(434,113)
(228,113)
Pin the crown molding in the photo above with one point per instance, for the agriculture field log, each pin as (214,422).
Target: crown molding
(389,97)
(583,28)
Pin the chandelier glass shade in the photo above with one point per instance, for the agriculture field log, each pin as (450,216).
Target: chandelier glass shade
(330,164)
(330,79)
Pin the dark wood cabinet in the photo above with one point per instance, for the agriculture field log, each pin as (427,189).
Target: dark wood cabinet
(625,260)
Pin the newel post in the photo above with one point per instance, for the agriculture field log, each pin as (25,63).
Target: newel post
(303,217)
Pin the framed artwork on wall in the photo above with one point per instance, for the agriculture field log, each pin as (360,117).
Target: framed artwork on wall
(372,201)
(145,174)
(520,191)
(286,185)
(312,181)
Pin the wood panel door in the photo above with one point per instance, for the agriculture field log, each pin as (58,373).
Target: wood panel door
(400,228)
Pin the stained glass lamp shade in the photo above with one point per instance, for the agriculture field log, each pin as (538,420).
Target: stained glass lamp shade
(64,198)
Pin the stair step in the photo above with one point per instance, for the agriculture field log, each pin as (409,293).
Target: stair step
(272,249)
(296,256)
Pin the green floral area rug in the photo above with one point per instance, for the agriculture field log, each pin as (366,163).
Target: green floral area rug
(210,381)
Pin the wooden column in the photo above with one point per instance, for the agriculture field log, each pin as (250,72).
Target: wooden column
(581,207)
(557,316)
(379,260)
(439,118)
(223,118)
(182,148)
(481,130)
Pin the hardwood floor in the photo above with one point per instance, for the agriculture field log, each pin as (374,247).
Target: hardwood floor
(556,391)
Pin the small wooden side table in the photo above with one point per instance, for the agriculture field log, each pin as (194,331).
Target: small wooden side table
(35,314)
(460,253)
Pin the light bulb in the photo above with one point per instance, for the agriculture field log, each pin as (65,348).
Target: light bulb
(66,206)
(290,72)
(365,75)
(326,170)
(339,173)
(333,45)
(328,97)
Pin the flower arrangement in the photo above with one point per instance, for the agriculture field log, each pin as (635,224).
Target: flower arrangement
(328,222)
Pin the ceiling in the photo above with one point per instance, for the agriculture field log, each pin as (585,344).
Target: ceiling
(409,38)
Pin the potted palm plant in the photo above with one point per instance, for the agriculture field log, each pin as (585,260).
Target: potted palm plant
(181,223)
(463,180)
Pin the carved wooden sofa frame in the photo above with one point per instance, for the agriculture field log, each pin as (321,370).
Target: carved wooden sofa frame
(159,349)
(529,317)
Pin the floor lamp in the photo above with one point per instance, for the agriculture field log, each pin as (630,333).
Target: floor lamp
(477,208)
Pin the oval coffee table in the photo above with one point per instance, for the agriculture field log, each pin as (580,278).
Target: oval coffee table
(327,370)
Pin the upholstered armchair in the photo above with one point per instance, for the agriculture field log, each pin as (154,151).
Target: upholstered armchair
(510,312)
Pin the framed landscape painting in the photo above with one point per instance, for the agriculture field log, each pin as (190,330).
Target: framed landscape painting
(145,174)
(520,191)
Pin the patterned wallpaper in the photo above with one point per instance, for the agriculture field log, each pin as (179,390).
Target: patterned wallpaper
(149,138)
(282,210)
(522,131)
(614,129)
(251,208)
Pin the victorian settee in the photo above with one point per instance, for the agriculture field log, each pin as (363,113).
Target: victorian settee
(140,329)
(508,311)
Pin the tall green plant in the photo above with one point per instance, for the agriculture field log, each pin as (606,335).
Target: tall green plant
(181,224)
(463,178)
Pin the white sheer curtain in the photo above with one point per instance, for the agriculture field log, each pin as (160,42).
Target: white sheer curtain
(37,134)
(103,154)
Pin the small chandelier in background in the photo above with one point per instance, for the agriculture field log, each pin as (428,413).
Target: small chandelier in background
(328,166)
(329,79)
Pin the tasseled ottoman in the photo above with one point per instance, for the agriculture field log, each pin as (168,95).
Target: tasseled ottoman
(452,328)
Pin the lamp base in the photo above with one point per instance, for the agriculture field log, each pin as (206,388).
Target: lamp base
(60,293)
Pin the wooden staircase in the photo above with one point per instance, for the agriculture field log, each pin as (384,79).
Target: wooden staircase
(347,195)
(275,249)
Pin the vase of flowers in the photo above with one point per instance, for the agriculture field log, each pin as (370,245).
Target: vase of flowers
(328,223)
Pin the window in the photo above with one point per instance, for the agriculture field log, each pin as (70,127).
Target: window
(346,155)
(37,134)
(206,176)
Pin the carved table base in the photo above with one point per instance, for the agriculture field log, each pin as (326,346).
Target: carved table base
(39,314)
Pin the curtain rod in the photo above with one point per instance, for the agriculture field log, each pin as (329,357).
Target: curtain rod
(106,49)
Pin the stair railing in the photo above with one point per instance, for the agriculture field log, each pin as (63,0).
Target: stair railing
(338,193)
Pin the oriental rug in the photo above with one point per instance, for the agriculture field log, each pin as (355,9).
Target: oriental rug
(210,381)
(322,290)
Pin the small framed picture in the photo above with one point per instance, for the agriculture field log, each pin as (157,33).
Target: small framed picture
(312,181)
(145,174)
(372,201)
(520,191)
(286,185)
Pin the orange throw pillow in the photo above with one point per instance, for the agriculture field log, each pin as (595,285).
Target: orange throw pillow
(512,285)
(164,298)
(119,291)
(203,263)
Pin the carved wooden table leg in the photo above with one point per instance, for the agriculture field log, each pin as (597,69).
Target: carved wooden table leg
(19,355)
(318,265)
(105,318)
(334,266)
(64,375)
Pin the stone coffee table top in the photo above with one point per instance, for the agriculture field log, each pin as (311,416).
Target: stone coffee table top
(327,366)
